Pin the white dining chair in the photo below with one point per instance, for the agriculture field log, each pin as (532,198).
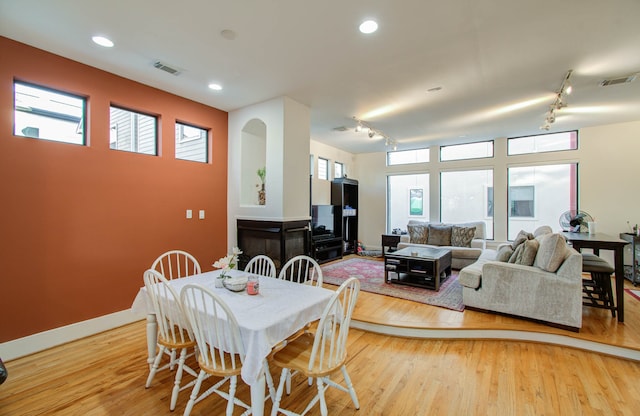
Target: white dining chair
(220,349)
(174,332)
(175,264)
(322,354)
(261,265)
(302,269)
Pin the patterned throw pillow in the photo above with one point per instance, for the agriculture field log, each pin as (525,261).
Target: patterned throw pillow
(439,235)
(504,253)
(525,253)
(418,234)
(521,238)
(462,236)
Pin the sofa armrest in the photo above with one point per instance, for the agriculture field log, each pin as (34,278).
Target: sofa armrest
(479,243)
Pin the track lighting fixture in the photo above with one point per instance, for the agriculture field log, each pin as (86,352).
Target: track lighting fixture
(371,132)
(559,103)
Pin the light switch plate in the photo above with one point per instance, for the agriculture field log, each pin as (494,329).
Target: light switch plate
(201,214)
(189,214)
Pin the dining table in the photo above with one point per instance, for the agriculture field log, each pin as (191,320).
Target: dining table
(602,241)
(279,310)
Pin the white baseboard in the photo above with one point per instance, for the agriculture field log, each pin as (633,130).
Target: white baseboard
(43,340)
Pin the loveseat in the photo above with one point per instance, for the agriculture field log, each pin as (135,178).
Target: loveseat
(465,240)
(537,277)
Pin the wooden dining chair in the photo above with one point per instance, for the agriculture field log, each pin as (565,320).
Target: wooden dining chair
(322,354)
(261,265)
(220,349)
(174,332)
(175,264)
(302,269)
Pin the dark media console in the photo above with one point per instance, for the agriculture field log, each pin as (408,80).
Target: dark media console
(325,248)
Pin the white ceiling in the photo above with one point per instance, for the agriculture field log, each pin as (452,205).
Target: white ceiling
(488,56)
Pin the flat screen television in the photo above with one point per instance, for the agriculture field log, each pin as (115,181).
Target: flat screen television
(322,221)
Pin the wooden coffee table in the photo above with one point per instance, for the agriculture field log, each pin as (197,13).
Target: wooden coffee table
(418,266)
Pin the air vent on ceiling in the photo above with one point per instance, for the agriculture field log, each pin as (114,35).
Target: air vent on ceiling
(616,81)
(341,128)
(166,68)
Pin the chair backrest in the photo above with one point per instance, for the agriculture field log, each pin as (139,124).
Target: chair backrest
(175,264)
(172,323)
(261,265)
(302,269)
(215,329)
(330,342)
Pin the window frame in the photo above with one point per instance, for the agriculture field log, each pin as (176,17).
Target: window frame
(416,152)
(181,125)
(575,139)
(493,151)
(322,160)
(156,123)
(335,165)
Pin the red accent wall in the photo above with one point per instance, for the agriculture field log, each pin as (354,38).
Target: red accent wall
(80,224)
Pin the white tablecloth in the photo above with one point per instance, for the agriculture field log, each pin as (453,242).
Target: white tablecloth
(278,311)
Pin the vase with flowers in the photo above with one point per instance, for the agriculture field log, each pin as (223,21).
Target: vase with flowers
(226,263)
(262,194)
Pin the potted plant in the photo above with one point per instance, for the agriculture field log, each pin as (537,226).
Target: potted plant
(262,197)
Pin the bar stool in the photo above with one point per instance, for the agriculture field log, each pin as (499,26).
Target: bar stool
(597,291)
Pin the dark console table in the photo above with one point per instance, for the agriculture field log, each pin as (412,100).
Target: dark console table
(635,245)
(326,249)
(390,243)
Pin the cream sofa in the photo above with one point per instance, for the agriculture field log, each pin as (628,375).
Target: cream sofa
(549,290)
(460,256)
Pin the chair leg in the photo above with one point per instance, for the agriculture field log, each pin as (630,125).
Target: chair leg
(194,393)
(323,402)
(233,381)
(352,391)
(154,366)
(269,379)
(178,379)
(276,402)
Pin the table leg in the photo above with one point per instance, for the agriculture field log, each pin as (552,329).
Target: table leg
(257,395)
(619,277)
(152,334)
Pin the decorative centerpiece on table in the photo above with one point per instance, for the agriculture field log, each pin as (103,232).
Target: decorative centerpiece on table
(262,195)
(226,263)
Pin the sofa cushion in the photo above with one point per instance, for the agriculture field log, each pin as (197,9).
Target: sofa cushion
(504,253)
(439,235)
(462,236)
(551,253)
(525,253)
(521,238)
(418,234)
(465,252)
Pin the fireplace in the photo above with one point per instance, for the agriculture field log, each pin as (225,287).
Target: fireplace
(280,240)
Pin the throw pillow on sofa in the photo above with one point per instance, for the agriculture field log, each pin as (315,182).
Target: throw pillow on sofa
(551,253)
(525,253)
(418,234)
(504,253)
(439,235)
(462,236)
(521,238)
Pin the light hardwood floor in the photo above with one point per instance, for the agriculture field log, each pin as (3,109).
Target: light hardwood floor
(105,374)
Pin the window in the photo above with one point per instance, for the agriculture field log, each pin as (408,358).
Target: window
(338,170)
(191,143)
(407,199)
(133,132)
(466,151)
(46,114)
(404,157)
(543,143)
(464,197)
(538,195)
(323,169)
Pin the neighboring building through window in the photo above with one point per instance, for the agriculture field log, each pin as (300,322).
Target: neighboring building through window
(323,169)
(43,113)
(521,201)
(476,150)
(338,170)
(407,199)
(133,132)
(462,197)
(567,140)
(191,143)
(404,157)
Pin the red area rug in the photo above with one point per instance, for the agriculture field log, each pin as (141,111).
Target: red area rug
(371,276)
(634,293)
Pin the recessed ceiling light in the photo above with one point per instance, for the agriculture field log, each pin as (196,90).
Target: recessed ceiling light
(228,34)
(215,87)
(434,89)
(368,26)
(102,41)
